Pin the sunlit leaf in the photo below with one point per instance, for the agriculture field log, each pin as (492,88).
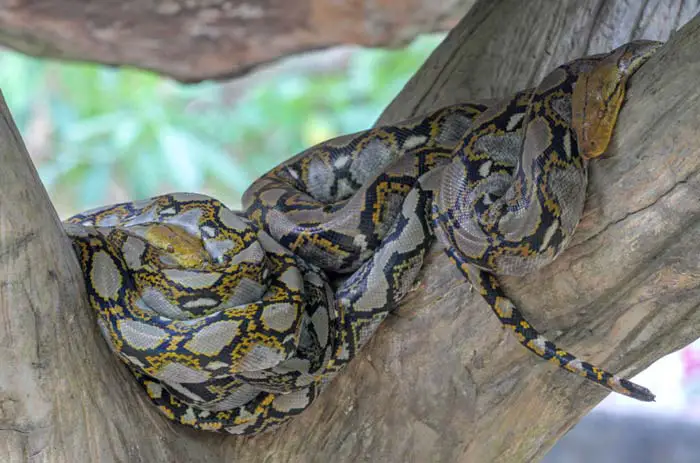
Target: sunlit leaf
(182,153)
(144,174)
(93,190)
(225,169)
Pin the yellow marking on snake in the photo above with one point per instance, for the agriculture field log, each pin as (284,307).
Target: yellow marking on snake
(229,319)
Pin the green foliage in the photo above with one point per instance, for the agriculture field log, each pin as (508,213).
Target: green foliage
(122,134)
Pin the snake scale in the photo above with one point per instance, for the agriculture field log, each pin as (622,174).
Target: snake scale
(235,321)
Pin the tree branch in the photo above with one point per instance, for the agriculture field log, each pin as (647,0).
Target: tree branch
(441,381)
(198,40)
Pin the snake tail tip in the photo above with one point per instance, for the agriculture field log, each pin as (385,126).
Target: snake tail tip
(641,393)
(648,397)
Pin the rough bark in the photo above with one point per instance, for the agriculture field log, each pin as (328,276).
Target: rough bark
(193,40)
(441,381)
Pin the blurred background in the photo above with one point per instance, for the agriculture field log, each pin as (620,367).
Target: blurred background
(99,135)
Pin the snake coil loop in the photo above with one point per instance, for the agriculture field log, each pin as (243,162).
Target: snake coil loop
(235,321)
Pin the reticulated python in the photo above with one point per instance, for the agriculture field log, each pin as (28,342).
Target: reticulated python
(235,321)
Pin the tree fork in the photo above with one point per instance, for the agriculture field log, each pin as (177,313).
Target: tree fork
(441,381)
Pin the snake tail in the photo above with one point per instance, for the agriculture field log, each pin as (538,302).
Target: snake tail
(508,314)
(521,221)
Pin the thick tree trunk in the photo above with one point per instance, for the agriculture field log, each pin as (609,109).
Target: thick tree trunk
(441,381)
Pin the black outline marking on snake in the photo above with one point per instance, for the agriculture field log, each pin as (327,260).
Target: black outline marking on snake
(240,319)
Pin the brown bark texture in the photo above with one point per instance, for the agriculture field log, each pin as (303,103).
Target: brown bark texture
(441,381)
(192,40)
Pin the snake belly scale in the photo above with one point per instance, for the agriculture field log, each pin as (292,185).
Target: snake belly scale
(234,321)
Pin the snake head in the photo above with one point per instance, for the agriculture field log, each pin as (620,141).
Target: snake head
(178,245)
(600,92)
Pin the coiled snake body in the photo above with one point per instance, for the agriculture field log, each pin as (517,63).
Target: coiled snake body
(235,321)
